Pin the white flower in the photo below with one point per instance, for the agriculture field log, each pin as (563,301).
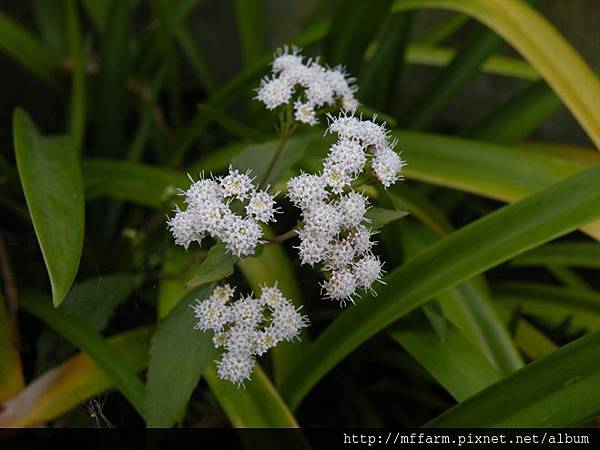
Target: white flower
(286,322)
(305,190)
(275,92)
(340,286)
(212,314)
(236,184)
(347,154)
(360,238)
(247,311)
(247,327)
(305,84)
(184,227)
(235,368)
(305,113)
(340,254)
(271,296)
(353,207)
(287,58)
(323,220)
(312,249)
(201,191)
(261,206)
(387,165)
(241,236)
(336,176)
(222,293)
(209,212)
(367,270)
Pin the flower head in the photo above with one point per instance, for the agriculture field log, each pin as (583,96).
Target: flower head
(247,328)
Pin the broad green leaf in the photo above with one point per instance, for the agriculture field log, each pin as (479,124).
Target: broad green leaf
(576,254)
(258,157)
(178,267)
(559,390)
(179,355)
(84,337)
(251,21)
(499,172)
(541,44)
(51,179)
(506,66)
(455,362)
(552,303)
(76,380)
(475,248)
(217,265)
(137,183)
(380,217)
(94,300)
(11,371)
(343,44)
(273,267)
(256,405)
(467,307)
(20,44)
(77,111)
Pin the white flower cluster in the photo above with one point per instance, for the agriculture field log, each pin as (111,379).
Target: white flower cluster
(247,327)
(316,86)
(334,231)
(209,212)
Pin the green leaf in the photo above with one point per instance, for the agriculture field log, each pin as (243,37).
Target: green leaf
(576,254)
(445,29)
(380,75)
(94,300)
(541,44)
(455,362)
(257,405)
(112,78)
(480,44)
(98,11)
(559,390)
(76,380)
(518,116)
(137,183)
(257,158)
(380,217)
(77,111)
(11,371)
(17,42)
(179,355)
(552,303)
(475,248)
(507,66)
(499,172)
(251,28)
(89,341)
(50,21)
(468,309)
(197,59)
(217,265)
(51,179)
(344,45)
